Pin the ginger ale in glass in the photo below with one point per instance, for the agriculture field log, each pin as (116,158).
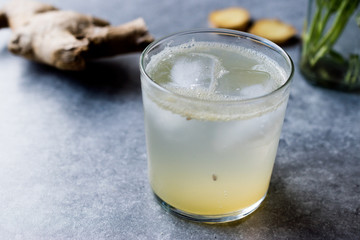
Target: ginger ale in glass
(214,103)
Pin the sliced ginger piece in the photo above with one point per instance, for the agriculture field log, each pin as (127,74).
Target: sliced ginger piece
(232,18)
(274,30)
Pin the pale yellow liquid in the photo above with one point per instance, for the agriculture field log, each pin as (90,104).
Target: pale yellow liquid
(209,167)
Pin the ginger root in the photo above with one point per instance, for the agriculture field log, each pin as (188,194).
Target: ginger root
(67,39)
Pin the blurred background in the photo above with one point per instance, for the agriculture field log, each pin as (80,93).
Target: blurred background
(72,145)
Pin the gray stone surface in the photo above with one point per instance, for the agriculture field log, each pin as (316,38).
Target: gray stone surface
(73,158)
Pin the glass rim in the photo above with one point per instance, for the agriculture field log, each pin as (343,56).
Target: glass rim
(244,35)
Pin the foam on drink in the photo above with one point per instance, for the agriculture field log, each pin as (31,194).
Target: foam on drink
(213,72)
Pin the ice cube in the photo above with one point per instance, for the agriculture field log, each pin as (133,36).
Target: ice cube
(196,70)
(255,90)
(244,83)
(249,133)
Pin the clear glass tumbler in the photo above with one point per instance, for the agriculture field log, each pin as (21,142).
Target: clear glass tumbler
(214,103)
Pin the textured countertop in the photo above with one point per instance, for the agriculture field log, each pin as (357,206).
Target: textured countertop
(72,146)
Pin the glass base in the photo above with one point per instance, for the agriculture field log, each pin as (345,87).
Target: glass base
(219,218)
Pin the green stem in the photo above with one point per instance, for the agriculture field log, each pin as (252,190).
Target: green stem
(310,34)
(325,44)
(353,73)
